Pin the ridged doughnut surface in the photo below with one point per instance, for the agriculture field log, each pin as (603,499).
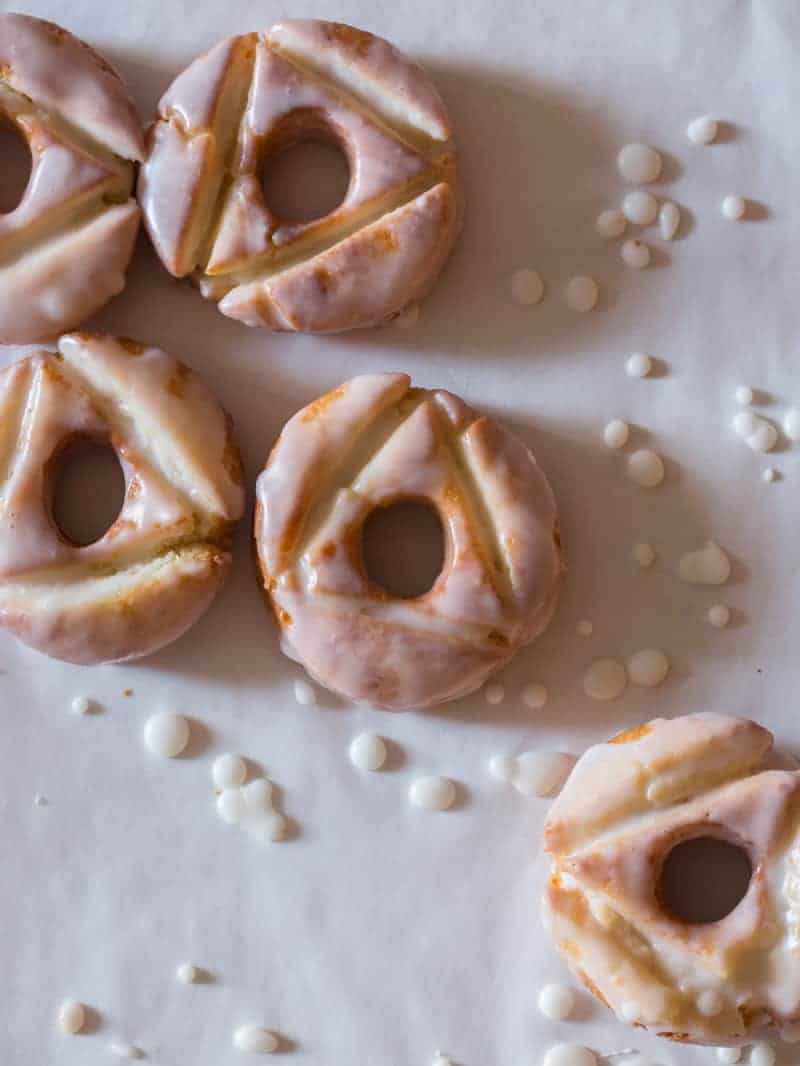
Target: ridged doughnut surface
(249,98)
(367,444)
(65,248)
(158,567)
(627,804)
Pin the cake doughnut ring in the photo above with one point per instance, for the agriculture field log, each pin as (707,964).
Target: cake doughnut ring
(368,444)
(65,248)
(627,804)
(249,98)
(159,566)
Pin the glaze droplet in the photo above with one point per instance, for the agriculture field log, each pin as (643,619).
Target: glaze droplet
(639,164)
(494,694)
(707,566)
(367,751)
(166,734)
(605,679)
(669,218)
(734,207)
(539,773)
(557,1002)
(744,396)
(569,1055)
(640,207)
(124,1051)
(616,433)
(644,555)
(502,767)
(759,434)
(432,793)
(534,695)
(702,130)
(611,223)
(229,771)
(646,468)
(81,705)
(255,1040)
(230,805)
(648,667)
(527,287)
(791,424)
(304,693)
(719,615)
(71,1017)
(635,254)
(584,628)
(581,293)
(186,973)
(729,1055)
(639,365)
(770,475)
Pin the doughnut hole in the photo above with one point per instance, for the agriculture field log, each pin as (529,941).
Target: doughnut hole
(703,879)
(305,172)
(403,547)
(86,488)
(16,167)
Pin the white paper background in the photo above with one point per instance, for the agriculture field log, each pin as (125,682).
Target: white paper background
(381,932)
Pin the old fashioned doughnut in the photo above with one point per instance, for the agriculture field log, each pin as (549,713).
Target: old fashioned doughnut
(626,806)
(368,444)
(158,567)
(249,98)
(65,248)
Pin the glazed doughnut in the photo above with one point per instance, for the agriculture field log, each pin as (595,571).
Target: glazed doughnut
(65,248)
(627,804)
(249,98)
(368,444)
(158,567)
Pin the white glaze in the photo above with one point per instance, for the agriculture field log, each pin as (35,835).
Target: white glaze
(313,497)
(186,973)
(719,615)
(729,1055)
(769,474)
(361,264)
(646,468)
(639,365)
(157,568)
(304,693)
(584,628)
(669,219)
(166,734)
(569,1055)
(611,223)
(758,433)
(534,695)
(367,751)
(526,287)
(702,130)
(255,1040)
(744,395)
(494,694)
(636,254)
(257,797)
(541,773)
(605,680)
(124,1050)
(229,771)
(639,164)
(80,705)
(616,433)
(706,566)
(644,555)
(640,207)
(791,424)
(231,806)
(648,667)
(734,208)
(71,1017)
(556,1002)
(83,133)
(432,793)
(581,293)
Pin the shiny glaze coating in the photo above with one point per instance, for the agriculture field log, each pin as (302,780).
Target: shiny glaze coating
(370,442)
(627,804)
(159,565)
(65,248)
(249,98)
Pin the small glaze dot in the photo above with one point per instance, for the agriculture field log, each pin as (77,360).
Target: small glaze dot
(269,826)
(635,254)
(639,164)
(702,130)
(669,218)
(494,694)
(526,287)
(166,734)
(432,793)
(707,566)
(744,396)
(540,773)
(584,628)
(124,1051)
(605,680)
(255,1040)
(646,468)
(229,771)
(611,223)
(719,615)
(762,1055)
(769,475)
(557,1002)
(367,752)
(186,973)
(639,365)
(581,293)
(791,424)
(733,208)
(257,797)
(502,767)
(569,1055)
(81,705)
(759,434)
(534,695)
(729,1055)
(230,805)
(640,207)
(304,693)
(71,1017)
(616,433)
(644,555)
(648,667)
